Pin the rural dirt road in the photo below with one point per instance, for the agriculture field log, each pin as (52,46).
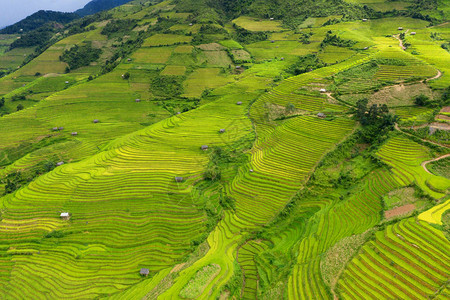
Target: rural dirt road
(424,164)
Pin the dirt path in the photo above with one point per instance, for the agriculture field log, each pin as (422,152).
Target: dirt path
(439,74)
(424,164)
(397,36)
(424,140)
(439,25)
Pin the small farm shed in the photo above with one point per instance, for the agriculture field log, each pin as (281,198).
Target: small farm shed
(322,90)
(60,128)
(239,103)
(74,133)
(222,130)
(59,163)
(178,179)
(364,20)
(95,121)
(144,272)
(321,115)
(55,128)
(413,33)
(204,147)
(400,28)
(65,216)
(137,100)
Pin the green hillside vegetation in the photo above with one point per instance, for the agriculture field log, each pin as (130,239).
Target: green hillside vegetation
(228,150)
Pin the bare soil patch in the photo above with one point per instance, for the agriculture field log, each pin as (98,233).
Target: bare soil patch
(399,211)
(445,109)
(443,117)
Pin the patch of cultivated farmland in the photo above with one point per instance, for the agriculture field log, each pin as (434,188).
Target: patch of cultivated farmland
(127,211)
(409,259)
(201,79)
(254,24)
(405,158)
(355,215)
(166,40)
(154,55)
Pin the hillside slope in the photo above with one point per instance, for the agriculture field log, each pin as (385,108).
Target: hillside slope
(217,150)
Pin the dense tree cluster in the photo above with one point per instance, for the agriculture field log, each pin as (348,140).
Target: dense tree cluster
(37,20)
(79,56)
(305,64)
(375,119)
(332,39)
(118,27)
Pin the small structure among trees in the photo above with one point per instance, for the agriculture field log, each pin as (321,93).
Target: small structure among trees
(59,163)
(321,115)
(137,100)
(364,20)
(144,272)
(204,147)
(178,179)
(65,216)
(400,28)
(322,90)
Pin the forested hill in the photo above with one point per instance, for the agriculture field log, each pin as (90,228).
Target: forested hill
(38,19)
(96,6)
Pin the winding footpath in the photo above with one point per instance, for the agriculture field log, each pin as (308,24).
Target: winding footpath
(424,164)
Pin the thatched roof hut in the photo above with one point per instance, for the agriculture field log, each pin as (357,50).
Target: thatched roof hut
(204,147)
(144,272)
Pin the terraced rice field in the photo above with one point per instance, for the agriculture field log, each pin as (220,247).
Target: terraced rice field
(405,157)
(408,259)
(127,210)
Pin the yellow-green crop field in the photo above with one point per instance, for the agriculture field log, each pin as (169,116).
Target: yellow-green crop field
(204,156)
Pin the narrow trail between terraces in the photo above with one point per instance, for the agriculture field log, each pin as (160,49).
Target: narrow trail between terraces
(424,164)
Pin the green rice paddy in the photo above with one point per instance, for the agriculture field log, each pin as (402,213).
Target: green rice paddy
(259,214)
